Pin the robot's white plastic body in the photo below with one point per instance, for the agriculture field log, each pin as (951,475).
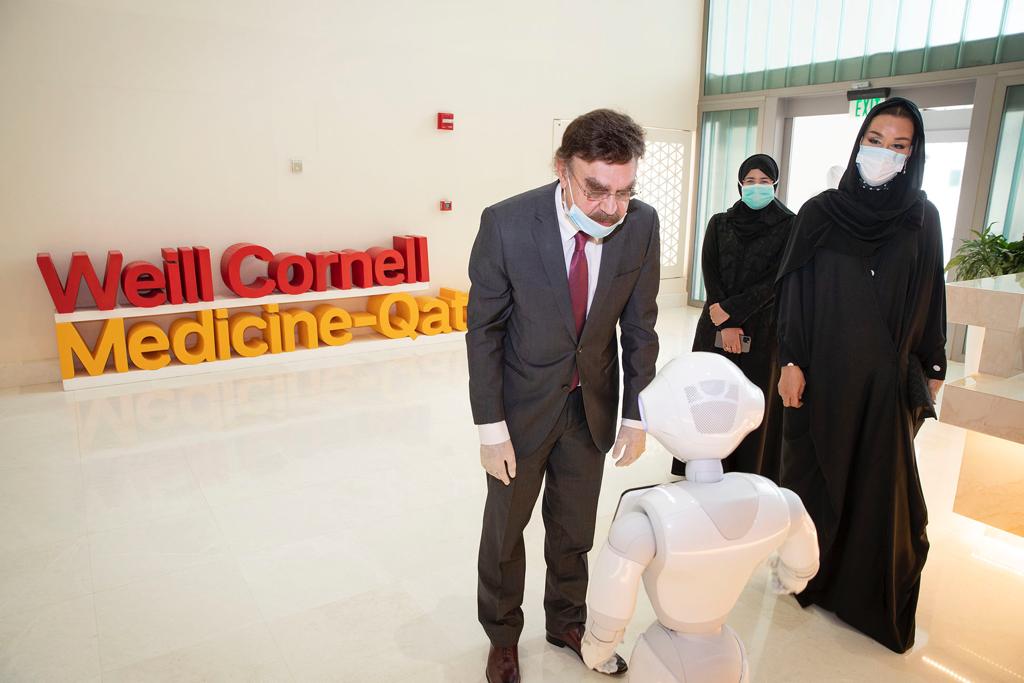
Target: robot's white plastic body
(696,543)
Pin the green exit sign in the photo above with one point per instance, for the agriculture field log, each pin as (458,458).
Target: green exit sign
(860,108)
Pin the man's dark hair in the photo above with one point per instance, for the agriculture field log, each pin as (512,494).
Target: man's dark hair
(602,135)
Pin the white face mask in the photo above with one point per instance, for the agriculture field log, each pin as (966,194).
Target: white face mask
(878,165)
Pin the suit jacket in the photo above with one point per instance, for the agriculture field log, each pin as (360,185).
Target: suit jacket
(522,342)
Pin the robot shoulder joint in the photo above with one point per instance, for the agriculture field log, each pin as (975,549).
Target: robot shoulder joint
(631,536)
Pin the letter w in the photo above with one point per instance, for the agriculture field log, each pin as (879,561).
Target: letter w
(65,297)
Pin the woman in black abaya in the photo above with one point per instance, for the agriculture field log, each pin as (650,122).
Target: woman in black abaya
(861,307)
(742,251)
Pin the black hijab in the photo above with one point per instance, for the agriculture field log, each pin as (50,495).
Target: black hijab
(857,219)
(749,222)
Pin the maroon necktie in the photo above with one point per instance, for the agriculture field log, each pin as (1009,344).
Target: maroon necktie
(579,284)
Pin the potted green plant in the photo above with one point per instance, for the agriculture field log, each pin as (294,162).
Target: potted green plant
(988,255)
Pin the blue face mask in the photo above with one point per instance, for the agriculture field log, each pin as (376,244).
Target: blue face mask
(585,223)
(757,196)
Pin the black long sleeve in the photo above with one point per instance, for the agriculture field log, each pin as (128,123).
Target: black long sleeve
(709,263)
(490,302)
(794,306)
(744,304)
(931,348)
(636,328)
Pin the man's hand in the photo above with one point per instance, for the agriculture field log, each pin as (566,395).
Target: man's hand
(934,385)
(629,445)
(791,386)
(718,314)
(731,339)
(500,461)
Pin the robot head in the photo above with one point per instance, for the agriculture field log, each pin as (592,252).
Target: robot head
(700,406)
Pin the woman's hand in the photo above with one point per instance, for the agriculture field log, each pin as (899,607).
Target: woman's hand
(791,386)
(934,385)
(731,339)
(718,314)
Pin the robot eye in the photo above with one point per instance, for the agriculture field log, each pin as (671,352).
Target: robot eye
(718,387)
(714,387)
(713,406)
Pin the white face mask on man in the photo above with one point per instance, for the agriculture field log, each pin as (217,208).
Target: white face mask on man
(878,165)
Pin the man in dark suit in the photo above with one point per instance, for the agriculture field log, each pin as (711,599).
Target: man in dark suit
(553,271)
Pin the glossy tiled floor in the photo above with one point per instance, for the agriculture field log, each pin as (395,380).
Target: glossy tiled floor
(319,522)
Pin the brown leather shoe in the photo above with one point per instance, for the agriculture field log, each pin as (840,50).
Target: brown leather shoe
(503,665)
(573,639)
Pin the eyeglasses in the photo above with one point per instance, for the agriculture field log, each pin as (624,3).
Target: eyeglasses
(621,197)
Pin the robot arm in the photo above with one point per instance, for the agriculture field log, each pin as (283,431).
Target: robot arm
(797,562)
(614,582)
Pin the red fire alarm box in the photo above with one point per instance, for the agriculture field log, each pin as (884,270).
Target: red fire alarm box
(445,121)
(446,205)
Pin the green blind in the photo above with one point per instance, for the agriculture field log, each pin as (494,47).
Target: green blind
(761,44)
(727,138)
(1006,198)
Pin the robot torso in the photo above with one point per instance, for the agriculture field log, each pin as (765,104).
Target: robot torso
(710,539)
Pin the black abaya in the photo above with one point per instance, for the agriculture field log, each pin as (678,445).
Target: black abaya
(855,310)
(740,259)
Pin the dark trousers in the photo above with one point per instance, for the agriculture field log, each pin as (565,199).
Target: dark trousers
(571,467)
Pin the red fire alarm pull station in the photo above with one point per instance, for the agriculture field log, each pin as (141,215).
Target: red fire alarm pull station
(446,205)
(445,121)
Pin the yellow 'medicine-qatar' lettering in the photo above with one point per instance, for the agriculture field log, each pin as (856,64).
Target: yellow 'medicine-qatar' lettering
(215,335)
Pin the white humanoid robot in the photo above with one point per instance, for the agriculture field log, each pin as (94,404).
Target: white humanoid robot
(696,542)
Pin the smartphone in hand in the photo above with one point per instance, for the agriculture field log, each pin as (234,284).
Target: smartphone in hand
(744,342)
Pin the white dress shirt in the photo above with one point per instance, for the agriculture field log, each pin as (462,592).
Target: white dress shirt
(497,432)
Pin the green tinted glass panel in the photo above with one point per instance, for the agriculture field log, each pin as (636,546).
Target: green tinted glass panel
(727,138)
(784,43)
(1006,196)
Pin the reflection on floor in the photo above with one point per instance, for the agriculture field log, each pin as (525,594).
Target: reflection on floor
(319,522)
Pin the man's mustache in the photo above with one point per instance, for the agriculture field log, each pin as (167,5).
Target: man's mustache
(606,218)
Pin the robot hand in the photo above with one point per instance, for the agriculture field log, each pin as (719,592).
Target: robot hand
(600,654)
(783,581)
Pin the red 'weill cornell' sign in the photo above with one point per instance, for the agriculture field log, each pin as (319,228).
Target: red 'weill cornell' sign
(186,273)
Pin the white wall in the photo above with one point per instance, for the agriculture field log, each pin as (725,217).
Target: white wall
(140,124)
